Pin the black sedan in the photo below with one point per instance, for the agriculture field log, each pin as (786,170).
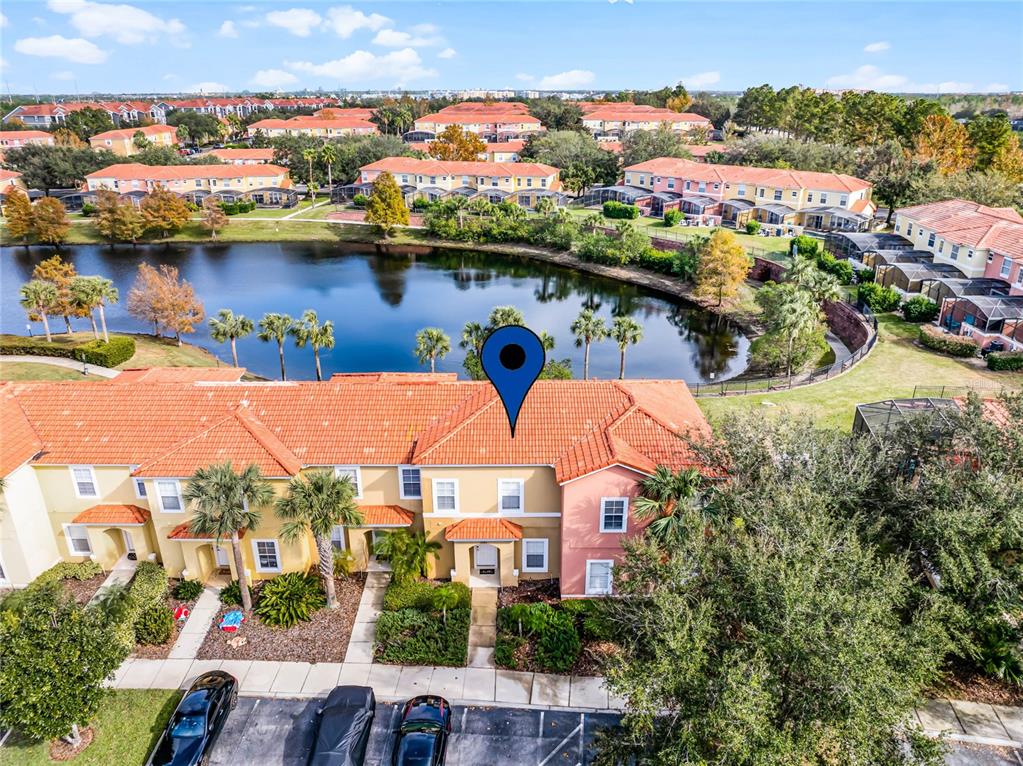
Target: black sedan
(423,733)
(197,721)
(343,726)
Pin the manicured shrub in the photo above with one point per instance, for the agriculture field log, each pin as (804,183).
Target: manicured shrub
(559,645)
(154,624)
(149,586)
(102,354)
(360,200)
(415,594)
(806,245)
(752,227)
(920,309)
(1005,361)
(614,209)
(67,570)
(419,204)
(188,590)
(672,217)
(879,299)
(865,275)
(231,594)
(88,209)
(412,637)
(36,347)
(953,345)
(841,270)
(504,650)
(590,616)
(657,260)
(289,598)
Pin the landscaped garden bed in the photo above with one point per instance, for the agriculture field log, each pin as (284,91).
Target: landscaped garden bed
(963,683)
(180,593)
(537,632)
(424,623)
(321,638)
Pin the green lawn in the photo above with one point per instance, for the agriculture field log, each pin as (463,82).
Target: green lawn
(32,371)
(127,727)
(303,205)
(891,370)
(150,351)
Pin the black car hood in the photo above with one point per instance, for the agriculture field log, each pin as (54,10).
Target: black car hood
(337,740)
(177,751)
(417,747)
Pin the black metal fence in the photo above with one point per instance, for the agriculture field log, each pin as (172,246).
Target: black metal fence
(988,391)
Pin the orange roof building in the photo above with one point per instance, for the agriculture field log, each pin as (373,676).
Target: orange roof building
(313,126)
(223,179)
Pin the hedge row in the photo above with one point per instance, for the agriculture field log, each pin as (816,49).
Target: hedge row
(953,345)
(1005,361)
(120,349)
(614,209)
(67,570)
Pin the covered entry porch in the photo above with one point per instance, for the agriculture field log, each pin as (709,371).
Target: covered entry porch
(118,534)
(204,557)
(484,551)
(377,520)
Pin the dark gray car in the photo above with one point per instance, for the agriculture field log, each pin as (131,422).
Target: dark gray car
(343,726)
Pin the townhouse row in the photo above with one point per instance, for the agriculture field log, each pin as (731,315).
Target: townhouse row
(426,453)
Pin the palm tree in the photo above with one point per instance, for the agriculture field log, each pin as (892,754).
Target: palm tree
(473,336)
(432,343)
(800,314)
(226,326)
(309,330)
(669,498)
(625,331)
(407,553)
(821,285)
(309,155)
(85,297)
(276,327)
(224,503)
(36,297)
(502,316)
(106,294)
(546,340)
(328,155)
(316,504)
(588,329)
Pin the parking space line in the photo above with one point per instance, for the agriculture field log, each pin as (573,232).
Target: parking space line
(539,733)
(582,738)
(560,745)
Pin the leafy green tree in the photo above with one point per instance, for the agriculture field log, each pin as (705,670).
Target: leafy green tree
(579,157)
(224,503)
(790,310)
(18,215)
(38,297)
(309,330)
(674,503)
(503,316)
(56,167)
(473,336)
(57,655)
(228,326)
(276,327)
(588,329)
(432,343)
(85,123)
(201,127)
(407,553)
(642,145)
(556,114)
(386,207)
(85,294)
(328,156)
(139,140)
(625,331)
(395,118)
(50,223)
(315,504)
(805,274)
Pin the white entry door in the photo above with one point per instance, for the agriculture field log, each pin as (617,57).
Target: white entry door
(129,545)
(221,556)
(486,559)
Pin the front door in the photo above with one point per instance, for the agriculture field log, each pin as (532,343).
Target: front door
(129,545)
(486,560)
(220,554)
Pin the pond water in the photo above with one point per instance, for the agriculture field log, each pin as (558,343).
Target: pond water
(379,300)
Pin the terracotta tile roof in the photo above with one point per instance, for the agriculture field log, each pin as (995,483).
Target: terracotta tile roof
(969,223)
(124,515)
(785,179)
(501,107)
(179,374)
(135,171)
(394,377)
(378,419)
(479,116)
(8,136)
(334,112)
(183,532)
(18,440)
(244,154)
(148,130)
(470,530)
(385,516)
(309,123)
(612,113)
(454,168)
(8,175)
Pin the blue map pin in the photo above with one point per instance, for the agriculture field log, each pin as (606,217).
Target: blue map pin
(513,358)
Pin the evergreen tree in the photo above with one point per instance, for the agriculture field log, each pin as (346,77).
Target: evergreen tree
(386,207)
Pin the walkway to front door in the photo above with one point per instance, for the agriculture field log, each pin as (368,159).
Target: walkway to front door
(483,628)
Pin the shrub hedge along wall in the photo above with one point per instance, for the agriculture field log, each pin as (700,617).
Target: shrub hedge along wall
(1005,361)
(120,349)
(953,345)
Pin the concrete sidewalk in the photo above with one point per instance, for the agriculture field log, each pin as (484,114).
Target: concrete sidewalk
(975,722)
(59,361)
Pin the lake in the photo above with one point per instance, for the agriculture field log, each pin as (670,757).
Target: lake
(378,301)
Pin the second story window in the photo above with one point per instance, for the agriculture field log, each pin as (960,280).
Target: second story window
(613,512)
(169,492)
(824,199)
(411,482)
(777,194)
(930,240)
(352,473)
(85,481)
(955,252)
(445,495)
(1006,265)
(510,495)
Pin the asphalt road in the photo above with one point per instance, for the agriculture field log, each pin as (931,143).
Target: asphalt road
(268,732)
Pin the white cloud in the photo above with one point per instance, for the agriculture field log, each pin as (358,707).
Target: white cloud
(3,64)
(207,87)
(273,78)
(227,29)
(56,46)
(3,21)
(398,67)
(447,53)
(573,78)
(345,21)
(702,79)
(869,77)
(125,23)
(64,75)
(996,87)
(879,47)
(392,38)
(298,21)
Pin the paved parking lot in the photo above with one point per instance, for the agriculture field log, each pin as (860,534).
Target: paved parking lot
(274,732)
(269,732)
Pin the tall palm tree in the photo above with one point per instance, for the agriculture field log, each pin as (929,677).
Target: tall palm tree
(473,336)
(546,340)
(228,326)
(432,343)
(800,314)
(309,330)
(107,295)
(407,553)
(37,297)
(502,316)
(328,155)
(821,285)
(625,331)
(85,297)
(276,327)
(588,328)
(309,155)
(669,498)
(315,504)
(224,504)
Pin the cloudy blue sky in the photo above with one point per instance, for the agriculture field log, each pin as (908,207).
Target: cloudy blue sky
(68,46)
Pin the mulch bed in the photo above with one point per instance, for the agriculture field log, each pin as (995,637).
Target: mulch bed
(83,590)
(964,684)
(530,592)
(590,662)
(324,638)
(63,751)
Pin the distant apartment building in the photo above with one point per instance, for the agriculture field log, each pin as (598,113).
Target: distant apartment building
(614,121)
(736,194)
(244,156)
(493,122)
(122,141)
(13,139)
(120,112)
(264,184)
(242,106)
(313,126)
(9,180)
(339,112)
(496,151)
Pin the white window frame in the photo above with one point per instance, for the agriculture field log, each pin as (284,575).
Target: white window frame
(358,477)
(159,495)
(337,534)
(433,489)
(521,494)
(70,545)
(625,515)
(92,478)
(610,577)
(277,555)
(546,554)
(137,482)
(401,482)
